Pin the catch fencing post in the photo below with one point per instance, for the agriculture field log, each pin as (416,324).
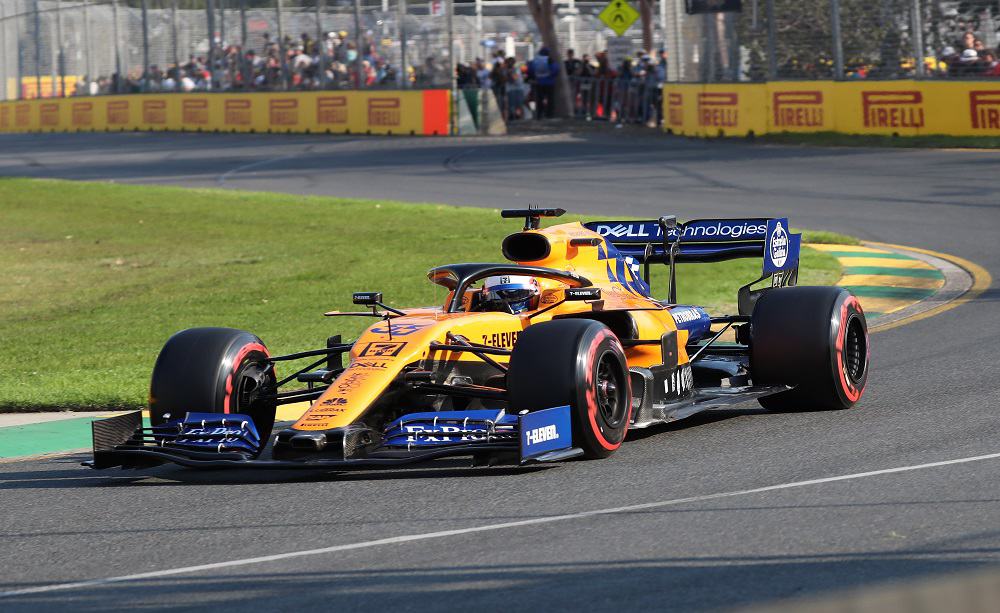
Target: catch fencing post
(3,51)
(479,26)
(917,25)
(145,45)
(38,53)
(285,76)
(359,42)
(838,44)
(118,51)
(452,66)
(62,49)
(210,26)
(772,60)
(321,42)
(403,64)
(245,68)
(173,36)
(88,63)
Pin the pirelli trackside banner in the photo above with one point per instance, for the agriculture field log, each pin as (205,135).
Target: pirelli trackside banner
(381,112)
(906,108)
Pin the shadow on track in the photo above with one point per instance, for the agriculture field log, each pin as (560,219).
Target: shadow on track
(685,582)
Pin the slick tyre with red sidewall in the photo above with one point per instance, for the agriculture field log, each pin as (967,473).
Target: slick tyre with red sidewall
(213,370)
(580,363)
(815,338)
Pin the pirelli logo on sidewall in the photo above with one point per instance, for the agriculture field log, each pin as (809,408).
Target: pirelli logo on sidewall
(893,109)
(284,112)
(237,113)
(385,112)
(195,112)
(675,110)
(331,110)
(718,110)
(985,108)
(154,112)
(798,109)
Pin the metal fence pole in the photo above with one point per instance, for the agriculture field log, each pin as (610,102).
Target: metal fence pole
(145,45)
(452,66)
(479,26)
(245,68)
(285,77)
(118,53)
(917,25)
(838,43)
(403,63)
(38,53)
(210,26)
(663,24)
(3,51)
(321,43)
(772,27)
(19,85)
(174,41)
(88,62)
(62,49)
(359,42)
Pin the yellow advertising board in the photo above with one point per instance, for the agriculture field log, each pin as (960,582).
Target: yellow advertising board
(349,112)
(905,108)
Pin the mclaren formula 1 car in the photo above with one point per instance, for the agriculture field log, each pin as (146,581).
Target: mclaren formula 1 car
(551,355)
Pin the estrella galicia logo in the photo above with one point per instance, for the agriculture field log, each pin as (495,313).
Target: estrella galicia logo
(779,246)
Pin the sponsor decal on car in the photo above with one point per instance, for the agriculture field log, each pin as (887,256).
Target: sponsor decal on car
(398,329)
(781,249)
(544,431)
(369,364)
(501,340)
(387,349)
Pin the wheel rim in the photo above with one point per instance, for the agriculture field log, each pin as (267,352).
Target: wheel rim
(855,351)
(609,385)
(251,379)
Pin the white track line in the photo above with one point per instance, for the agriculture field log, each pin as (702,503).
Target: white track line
(157,574)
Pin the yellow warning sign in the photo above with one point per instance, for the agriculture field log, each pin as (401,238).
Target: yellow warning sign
(619,16)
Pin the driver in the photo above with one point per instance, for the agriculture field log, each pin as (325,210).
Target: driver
(510,294)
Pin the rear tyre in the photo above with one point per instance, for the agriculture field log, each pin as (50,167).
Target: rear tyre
(815,338)
(580,363)
(213,370)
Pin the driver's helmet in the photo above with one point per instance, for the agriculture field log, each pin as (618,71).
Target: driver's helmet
(510,292)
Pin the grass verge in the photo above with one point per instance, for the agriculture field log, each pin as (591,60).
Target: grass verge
(94,277)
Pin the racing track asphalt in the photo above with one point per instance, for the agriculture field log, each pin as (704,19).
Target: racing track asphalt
(932,396)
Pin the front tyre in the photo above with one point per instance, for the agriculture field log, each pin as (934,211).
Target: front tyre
(213,370)
(815,338)
(580,363)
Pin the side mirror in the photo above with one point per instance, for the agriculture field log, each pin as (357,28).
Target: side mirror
(582,293)
(370,299)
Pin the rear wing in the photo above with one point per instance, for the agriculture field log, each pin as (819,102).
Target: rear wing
(709,240)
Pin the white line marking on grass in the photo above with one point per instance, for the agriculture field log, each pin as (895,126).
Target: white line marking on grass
(394,540)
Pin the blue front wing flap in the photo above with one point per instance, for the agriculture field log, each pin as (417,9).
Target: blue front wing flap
(216,440)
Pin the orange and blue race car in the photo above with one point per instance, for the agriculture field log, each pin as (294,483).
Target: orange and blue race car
(552,355)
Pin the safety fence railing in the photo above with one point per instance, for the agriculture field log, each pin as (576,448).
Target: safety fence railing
(89,47)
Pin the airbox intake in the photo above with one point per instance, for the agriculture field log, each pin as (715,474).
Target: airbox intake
(526,247)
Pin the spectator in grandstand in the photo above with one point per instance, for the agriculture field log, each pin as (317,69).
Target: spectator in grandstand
(989,66)
(968,40)
(542,73)
(967,65)
(586,66)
